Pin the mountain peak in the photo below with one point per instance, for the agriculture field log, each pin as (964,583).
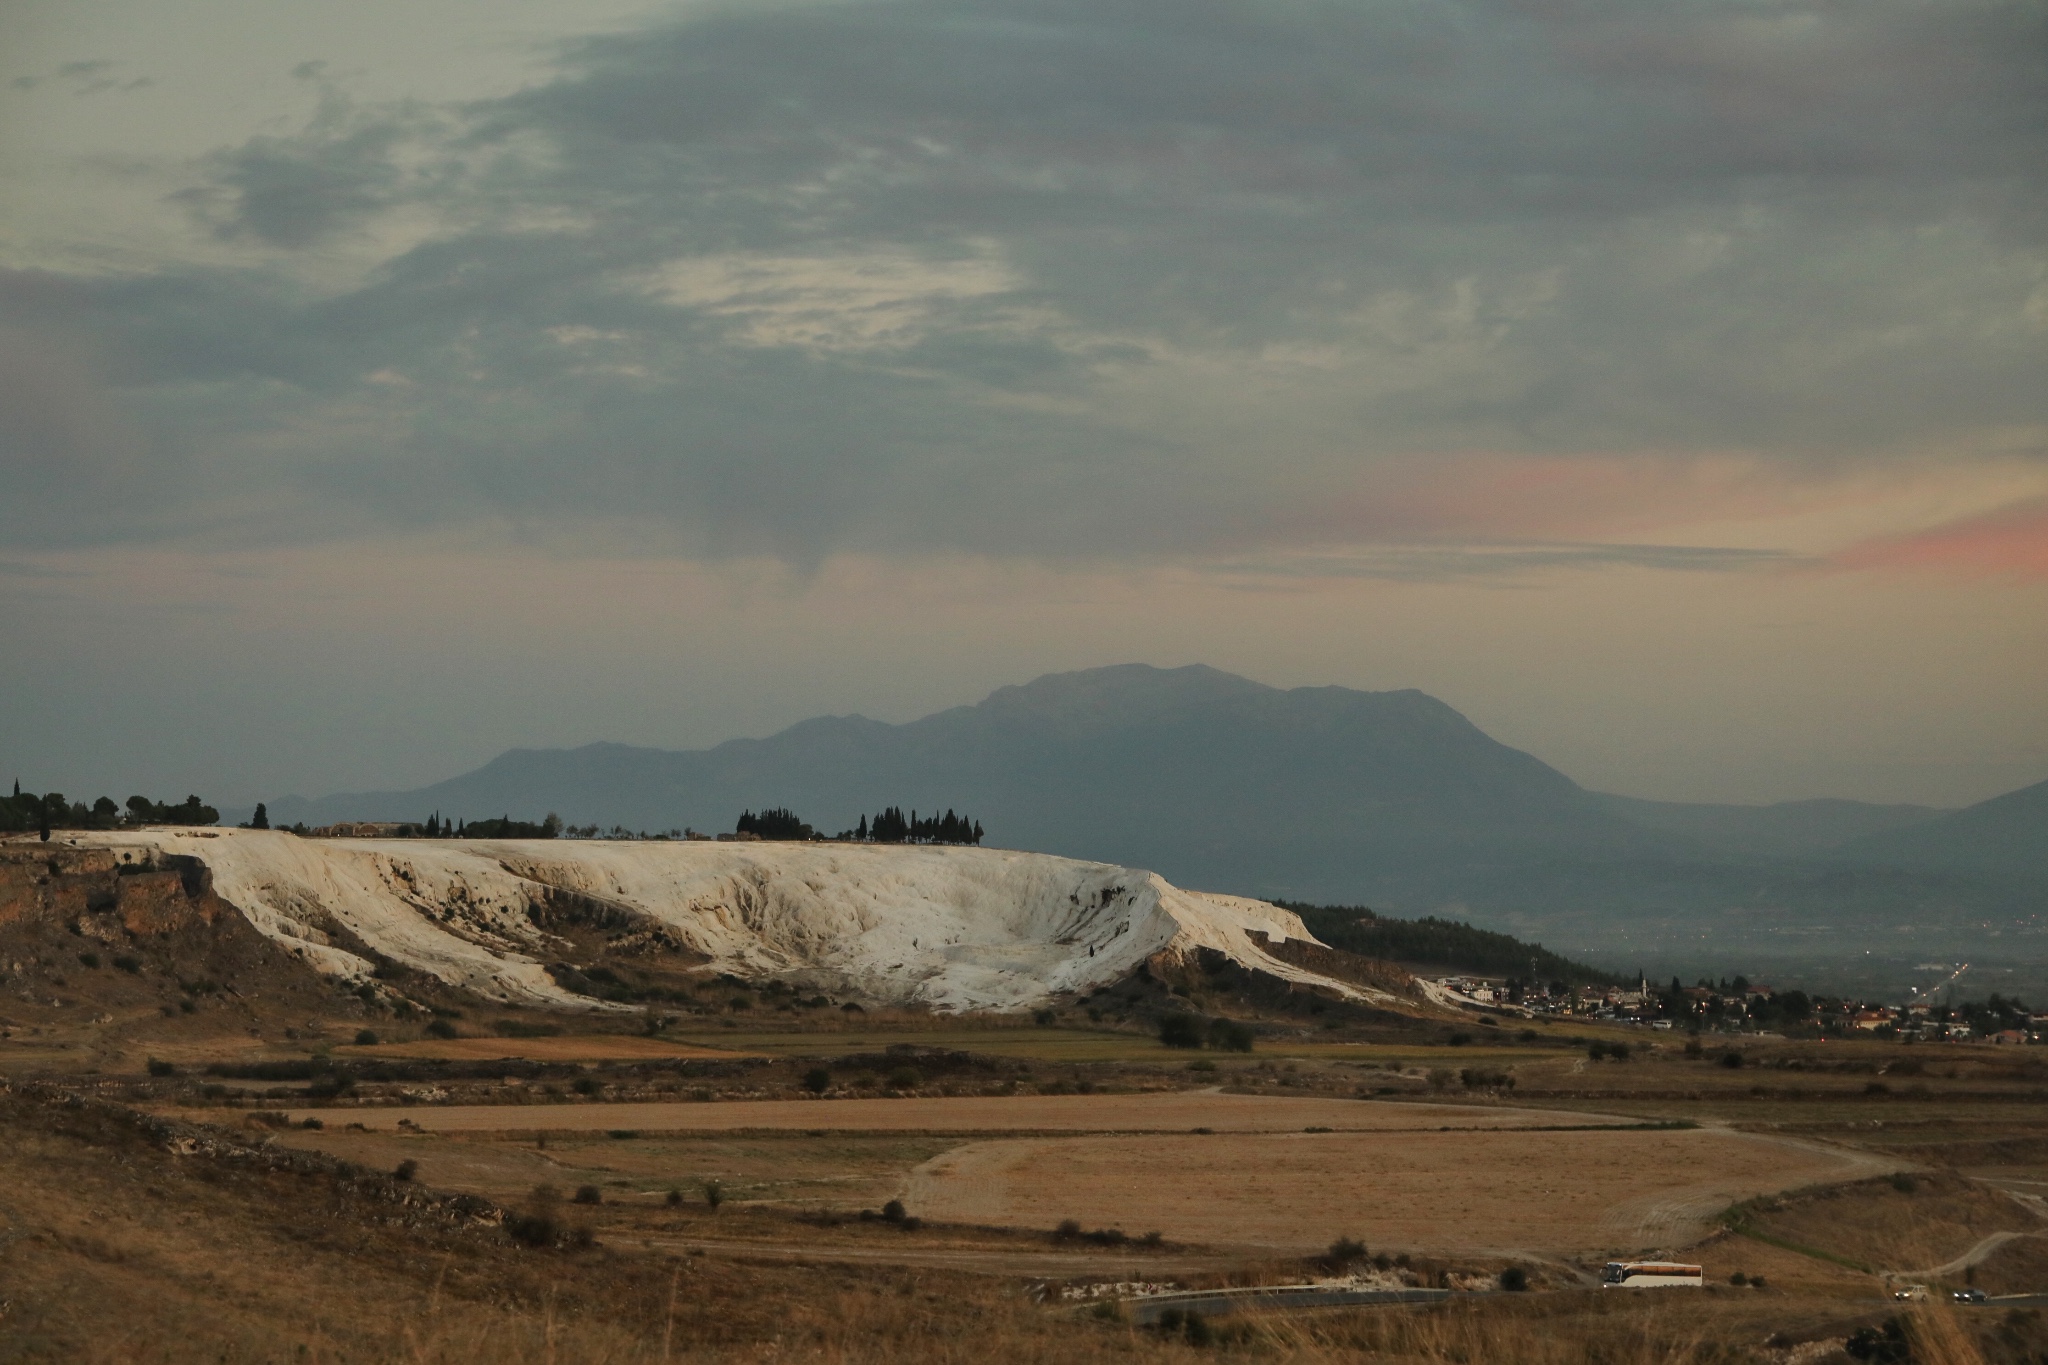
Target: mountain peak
(1117,694)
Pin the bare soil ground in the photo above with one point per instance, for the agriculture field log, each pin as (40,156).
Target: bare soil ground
(1163,1112)
(1471,1192)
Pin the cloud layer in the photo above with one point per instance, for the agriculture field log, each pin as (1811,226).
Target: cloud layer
(1130,280)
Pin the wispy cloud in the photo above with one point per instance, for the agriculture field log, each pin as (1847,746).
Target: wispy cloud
(2010,541)
(1451,563)
(1137,280)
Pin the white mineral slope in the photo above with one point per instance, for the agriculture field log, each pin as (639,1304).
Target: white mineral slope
(951,928)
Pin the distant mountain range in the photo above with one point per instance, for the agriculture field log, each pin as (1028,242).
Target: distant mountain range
(1319,794)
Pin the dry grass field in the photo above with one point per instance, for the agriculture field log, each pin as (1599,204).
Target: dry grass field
(583,1047)
(115,1248)
(222,1257)
(1470,1192)
(1156,1112)
(1077,1043)
(786,1168)
(1909,1223)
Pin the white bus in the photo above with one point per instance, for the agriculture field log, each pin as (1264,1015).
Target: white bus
(1650,1275)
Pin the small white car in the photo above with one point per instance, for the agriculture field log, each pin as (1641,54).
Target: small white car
(1907,1292)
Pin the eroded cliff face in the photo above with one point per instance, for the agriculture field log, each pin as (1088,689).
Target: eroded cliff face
(104,894)
(103,935)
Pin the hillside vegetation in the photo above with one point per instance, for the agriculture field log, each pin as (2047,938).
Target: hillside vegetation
(1441,943)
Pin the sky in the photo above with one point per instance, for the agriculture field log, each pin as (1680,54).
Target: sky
(386,385)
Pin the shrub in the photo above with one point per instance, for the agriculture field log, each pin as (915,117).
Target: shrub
(366,1038)
(1459,1039)
(539,1224)
(1514,1279)
(132,966)
(1227,1035)
(817,1080)
(1180,1030)
(586,1085)
(905,1078)
(1343,1252)
(1191,1326)
(308,1122)
(520,1028)
(1440,1078)
(441,1028)
(537,1227)
(588,1194)
(714,1193)
(675,1199)
(1756,1282)
(1069,1230)
(1201,1064)
(158,1067)
(621,1134)
(1738,1279)
(328,1086)
(893,1211)
(407,1169)
(1044,1018)
(1732,1060)
(1618,1051)
(1886,1345)
(1903,1183)
(89,959)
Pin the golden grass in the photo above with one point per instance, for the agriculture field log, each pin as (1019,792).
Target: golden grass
(1587,1193)
(1924,1221)
(583,1047)
(116,1251)
(1159,1111)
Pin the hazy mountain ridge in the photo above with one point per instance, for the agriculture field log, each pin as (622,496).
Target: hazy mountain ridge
(2006,835)
(1318,794)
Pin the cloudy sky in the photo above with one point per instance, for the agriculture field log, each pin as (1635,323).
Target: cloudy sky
(386,384)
